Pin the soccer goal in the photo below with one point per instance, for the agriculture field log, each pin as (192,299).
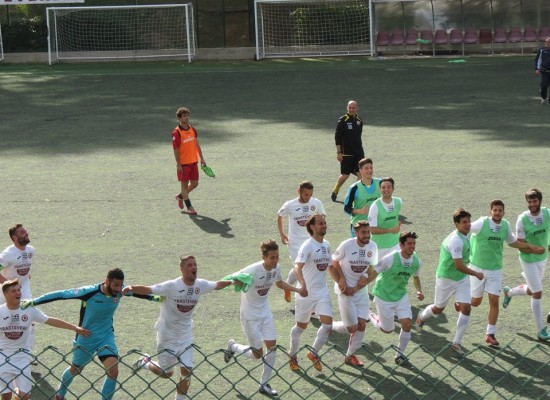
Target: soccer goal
(120,32)
(1,46)
(308,28)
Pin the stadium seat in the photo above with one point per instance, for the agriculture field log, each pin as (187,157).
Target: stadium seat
(544,33)
(412,35)
(427,34)
(397,38)
(455,37)
(441,37)
(485,36)
(382,39)
(530,35)
(500,35)
(470,36)
(515,35)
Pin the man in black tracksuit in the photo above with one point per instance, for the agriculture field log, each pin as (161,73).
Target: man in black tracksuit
(542,68)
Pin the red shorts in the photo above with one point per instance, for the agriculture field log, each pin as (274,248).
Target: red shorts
(190,172)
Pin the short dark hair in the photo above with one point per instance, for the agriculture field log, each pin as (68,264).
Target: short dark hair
(12,229)
(533,194)
(359,224)
(311,221)
(181,110)
(9,284)
(387,179)
(459,214)
(406,235)
(268,245)
(306,185)
(496,202)
(115,273)
(364,161)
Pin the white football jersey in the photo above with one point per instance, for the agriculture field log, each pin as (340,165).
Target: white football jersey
(15,326)
(176,312)
(254,304)
(316,258)
(354,260)
(297,214)
(17,264)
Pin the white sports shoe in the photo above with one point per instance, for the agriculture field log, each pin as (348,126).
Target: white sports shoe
(228,354)
(543,101)
(144,359)
(267,390)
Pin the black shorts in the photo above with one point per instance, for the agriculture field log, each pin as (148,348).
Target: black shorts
(350,164)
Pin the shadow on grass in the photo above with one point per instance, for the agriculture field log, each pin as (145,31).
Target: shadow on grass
(210,225)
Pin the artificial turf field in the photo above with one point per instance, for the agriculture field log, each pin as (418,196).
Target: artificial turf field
(87,165)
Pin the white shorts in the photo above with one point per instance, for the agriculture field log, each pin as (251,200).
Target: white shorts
(293,253)
(16,373)
(354,307)
(388,309)
(172,354)
(258,330)
(304,307)
(491,282)
(384,252)
(533,274)
(445,288)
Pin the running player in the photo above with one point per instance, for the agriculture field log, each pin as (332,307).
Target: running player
(311,267)
(175,324)
(487,237)
(384,219)
(390,292)
(297,211)
(256,316)
(452,279)
(362,194)
(15,323)
(353,259)
(532,226)
(98,305)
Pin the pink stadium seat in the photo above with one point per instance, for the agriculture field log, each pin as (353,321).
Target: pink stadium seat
(485,36)
(455,37)
(515,35)
(427,34)
(397,38)
(382,39)
(530,35)
(412,35)
(441,37)
(500,35)
(470,36)
(544,33)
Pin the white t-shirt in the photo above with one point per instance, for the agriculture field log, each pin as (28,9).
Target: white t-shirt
(254,304)
(176,312)
(17,264)
(386,263)
(373,210)
(14,328)
(478,224)
(354,260)
(455,245)
(297,214)
(316,258)
(535,220)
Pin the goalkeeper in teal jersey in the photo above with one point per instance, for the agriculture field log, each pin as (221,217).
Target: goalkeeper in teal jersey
(98,305)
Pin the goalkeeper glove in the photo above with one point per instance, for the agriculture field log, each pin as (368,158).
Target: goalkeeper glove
(157,299)
(27,303)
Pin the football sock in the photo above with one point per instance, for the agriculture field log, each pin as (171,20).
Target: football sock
(355,342)
(291,278)
(520,290)
(461,326)
(66,380)
(427,313)
(322,337)
(295,334)
(375,320)
(108,389)
(187,203)
(336,188)
(244,350)
(338,326)
(536,307)
(404,339)
(269,362)
(181,397)
(491,329)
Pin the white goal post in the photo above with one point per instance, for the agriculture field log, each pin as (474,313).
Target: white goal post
(116,33)
(1,45)
(308,28)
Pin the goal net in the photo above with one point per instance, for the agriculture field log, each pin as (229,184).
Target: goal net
(306,28)
(120,32)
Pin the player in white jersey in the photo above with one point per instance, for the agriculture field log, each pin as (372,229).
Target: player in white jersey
(392,275)
(256,316)
(15,323)
(353,259)
(297,211)
(311,268)
(175,325)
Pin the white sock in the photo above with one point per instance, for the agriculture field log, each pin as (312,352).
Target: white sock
(536,307)
(322,337)
(404,339)
(291,278)
(295,334)
(375,320)
(269,363)
(338,326)
(427,313)
(355,342)
(181,397)
(491,329)
(461,326)
(244,350)
(520,290)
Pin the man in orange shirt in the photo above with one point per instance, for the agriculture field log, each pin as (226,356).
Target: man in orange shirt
(187,152)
